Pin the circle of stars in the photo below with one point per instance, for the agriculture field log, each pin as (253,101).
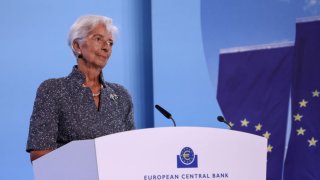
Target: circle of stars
(312,142)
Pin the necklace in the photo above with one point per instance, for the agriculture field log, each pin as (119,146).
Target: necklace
(95,94)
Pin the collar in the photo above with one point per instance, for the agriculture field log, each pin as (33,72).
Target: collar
(80,78)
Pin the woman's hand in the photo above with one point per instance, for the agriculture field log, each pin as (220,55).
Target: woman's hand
(36,154)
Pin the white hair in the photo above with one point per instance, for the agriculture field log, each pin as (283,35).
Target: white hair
(84,24)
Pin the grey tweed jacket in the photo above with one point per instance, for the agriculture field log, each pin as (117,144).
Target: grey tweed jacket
(64,111)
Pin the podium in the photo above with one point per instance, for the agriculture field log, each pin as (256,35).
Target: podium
(159,154)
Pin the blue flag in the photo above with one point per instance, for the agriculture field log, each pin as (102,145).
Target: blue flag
(253,93)
(303,155)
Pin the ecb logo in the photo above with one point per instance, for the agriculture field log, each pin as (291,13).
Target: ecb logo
(187,158)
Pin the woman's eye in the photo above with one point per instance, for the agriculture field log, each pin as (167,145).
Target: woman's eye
(110,43)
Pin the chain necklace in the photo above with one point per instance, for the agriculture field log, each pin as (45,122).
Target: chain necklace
(95,94)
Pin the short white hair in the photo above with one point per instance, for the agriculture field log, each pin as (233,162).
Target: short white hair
(84,24)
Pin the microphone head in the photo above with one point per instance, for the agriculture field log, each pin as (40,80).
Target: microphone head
(163,111)
(220,119)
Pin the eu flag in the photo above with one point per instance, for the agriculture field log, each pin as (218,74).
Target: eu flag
(303,155)
(253,94)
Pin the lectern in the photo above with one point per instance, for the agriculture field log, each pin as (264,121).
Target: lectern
(159,154)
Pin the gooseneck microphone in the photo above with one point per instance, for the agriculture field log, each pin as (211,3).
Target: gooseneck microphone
(221,119)
(165,113)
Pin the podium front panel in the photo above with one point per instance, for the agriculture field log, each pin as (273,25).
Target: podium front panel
(181,153)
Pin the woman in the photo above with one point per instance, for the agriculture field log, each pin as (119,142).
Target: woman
(81,105)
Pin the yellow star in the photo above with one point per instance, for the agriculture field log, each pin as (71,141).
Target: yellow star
(312,142)
(269,148)
(267,135)
(258,127)
(303,103)
(297,117)
(231,124)
(244,122)
(301,131)
(316,93)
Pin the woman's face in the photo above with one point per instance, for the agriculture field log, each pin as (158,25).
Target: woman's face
(97,46)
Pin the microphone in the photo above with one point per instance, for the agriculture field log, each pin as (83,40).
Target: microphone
(221,119)
(165,113)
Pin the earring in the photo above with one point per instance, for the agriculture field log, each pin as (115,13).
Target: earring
(80,55)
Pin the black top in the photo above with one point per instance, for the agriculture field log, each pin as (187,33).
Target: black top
(64,111)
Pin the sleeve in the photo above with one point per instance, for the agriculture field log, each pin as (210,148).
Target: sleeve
(130,116)
(43,129)
(127,104)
